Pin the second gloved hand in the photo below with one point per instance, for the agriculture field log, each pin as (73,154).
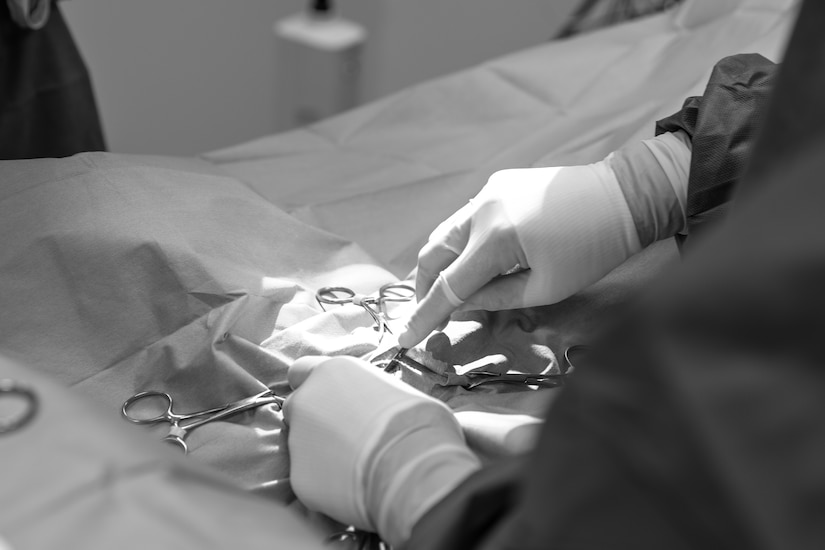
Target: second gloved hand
(368,450)
(531,237)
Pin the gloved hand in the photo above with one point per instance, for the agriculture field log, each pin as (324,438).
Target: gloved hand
(556,230)
(538,235)
(368,450)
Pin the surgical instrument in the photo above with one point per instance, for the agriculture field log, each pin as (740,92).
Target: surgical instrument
(356,539)
(549,380)
(572,351)
(18,417)
(395,361)
(476,378)
(179,427)
(375,306)
(472,378)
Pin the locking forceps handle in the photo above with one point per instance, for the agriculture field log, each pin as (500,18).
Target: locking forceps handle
(334,295)
(177,433)
(166,414)
(231,409)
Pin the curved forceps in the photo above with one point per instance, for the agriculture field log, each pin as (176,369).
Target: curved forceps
(178,427)
(571,352)
(478,378)
(549,380)
(375,306)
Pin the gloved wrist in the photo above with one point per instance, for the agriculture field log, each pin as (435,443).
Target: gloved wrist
(414,471)
(353,429)
(572,222)
(653,175)
(564,227)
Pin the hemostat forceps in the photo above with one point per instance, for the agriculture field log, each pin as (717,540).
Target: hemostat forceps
(375,306)
(480,377)
(181,424)
(394,358)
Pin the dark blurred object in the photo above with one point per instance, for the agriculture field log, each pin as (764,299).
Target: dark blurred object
(700,421)
(721,125)
(594,14)
(30,14)
(47,106)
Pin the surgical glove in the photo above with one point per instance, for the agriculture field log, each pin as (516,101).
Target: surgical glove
(368,450)
(531,237)
(536,236)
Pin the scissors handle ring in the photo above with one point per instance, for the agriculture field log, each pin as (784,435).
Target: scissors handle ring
(396,292)
(12,387)
(329,295)
(168,415)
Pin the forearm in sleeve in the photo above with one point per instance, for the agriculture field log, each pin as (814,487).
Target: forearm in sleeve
(653,176)
(722,124)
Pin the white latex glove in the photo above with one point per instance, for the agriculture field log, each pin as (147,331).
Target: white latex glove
(557,230)
(368,450)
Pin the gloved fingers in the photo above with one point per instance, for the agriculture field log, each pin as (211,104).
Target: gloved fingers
(432,260)
(504,292)
(319,368)
(300,370)
(342,390)
(430,312)
(478,264)
(490,253)
(445,244)
(456,219)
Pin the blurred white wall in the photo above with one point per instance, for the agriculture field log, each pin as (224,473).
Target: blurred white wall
(414,40)
(180,77)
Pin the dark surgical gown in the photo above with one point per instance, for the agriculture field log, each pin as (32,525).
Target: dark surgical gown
(699,423)
(47,106)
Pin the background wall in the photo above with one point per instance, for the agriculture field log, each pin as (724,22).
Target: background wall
(181,77)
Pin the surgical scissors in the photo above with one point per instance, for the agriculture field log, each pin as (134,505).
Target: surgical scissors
(179,427)
(389,293)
